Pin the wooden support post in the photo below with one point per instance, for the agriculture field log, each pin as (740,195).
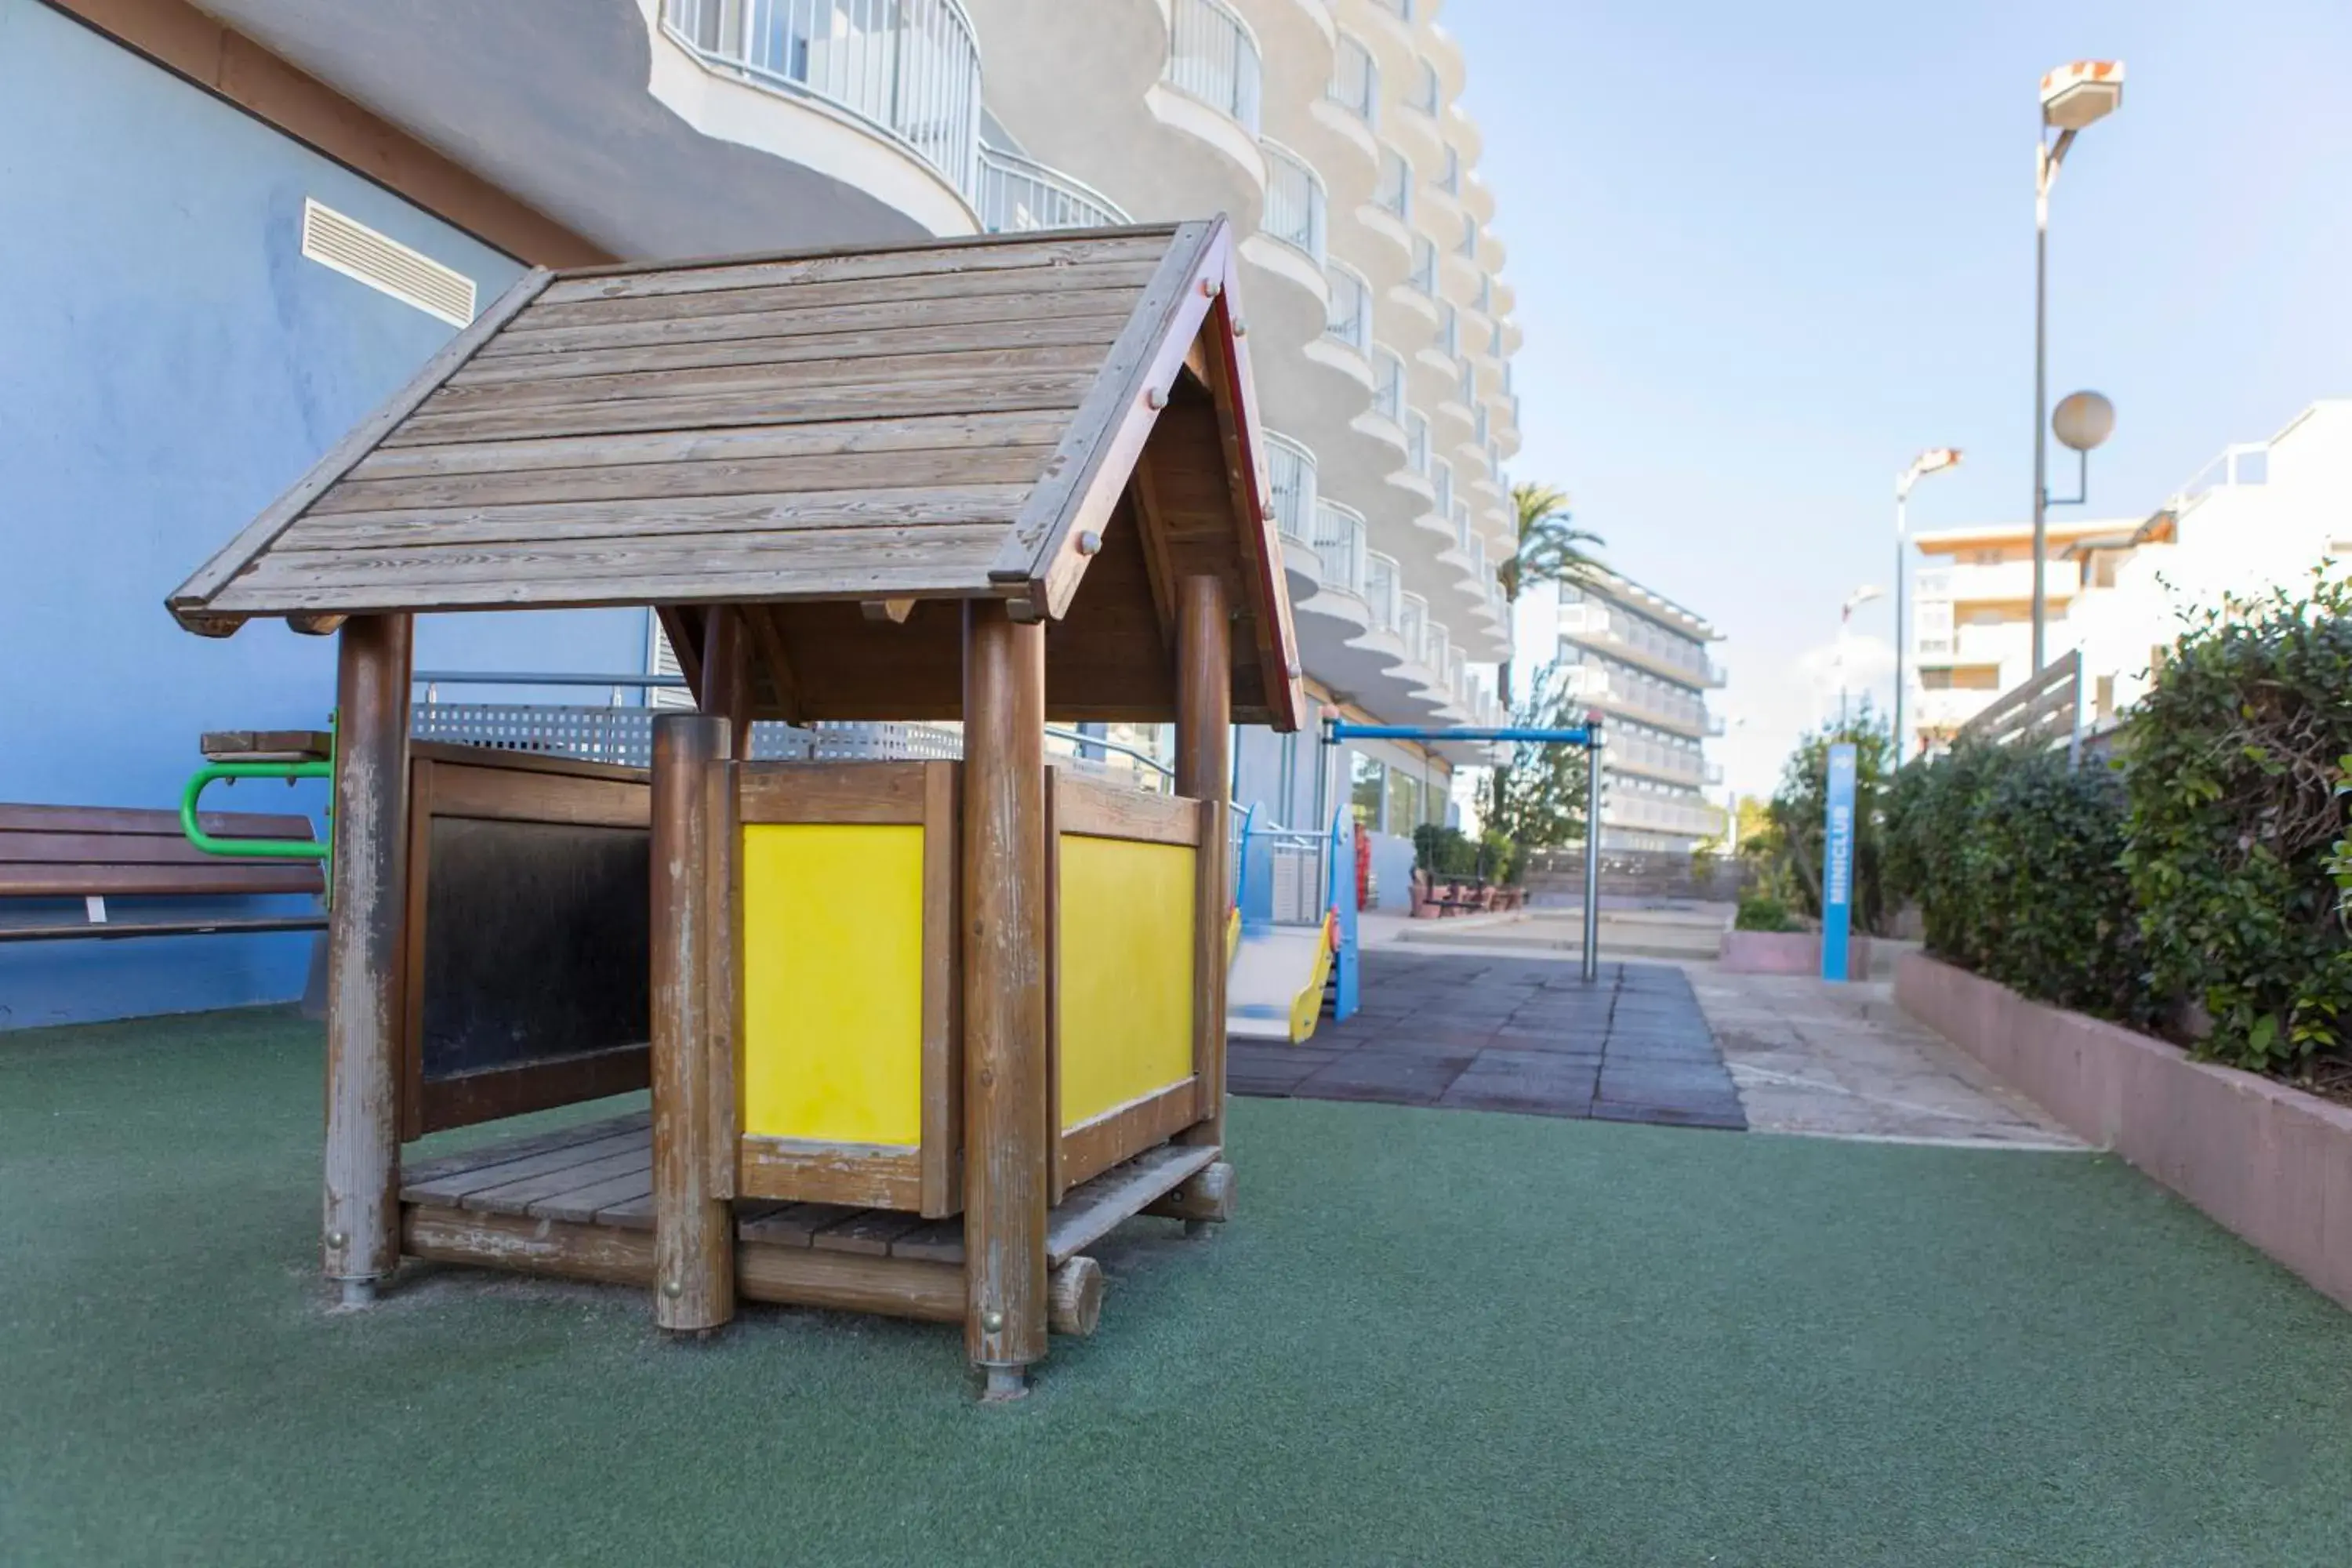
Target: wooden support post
(1004,999)
(727,675)
(694,1240)
(363,954)
(1204,713)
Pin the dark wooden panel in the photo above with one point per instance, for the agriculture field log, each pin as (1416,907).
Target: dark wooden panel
(536,944)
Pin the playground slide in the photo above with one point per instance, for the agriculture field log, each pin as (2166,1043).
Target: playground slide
(1274,988)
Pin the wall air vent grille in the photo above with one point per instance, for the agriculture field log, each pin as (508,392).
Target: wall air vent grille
(381,262)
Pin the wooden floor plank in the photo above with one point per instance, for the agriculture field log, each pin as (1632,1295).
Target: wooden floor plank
(512,1189)
(455,1188)
(582,1205)
(1092,1210)
(933,1241)
(421,1180)
(795,1224)
(870,1233)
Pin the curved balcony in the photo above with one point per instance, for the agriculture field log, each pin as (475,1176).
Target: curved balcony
(1213,57)
(1017,193)
(909,70)
(1295,206)
(1290,475)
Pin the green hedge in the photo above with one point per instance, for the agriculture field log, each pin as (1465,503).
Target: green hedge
(2192,883)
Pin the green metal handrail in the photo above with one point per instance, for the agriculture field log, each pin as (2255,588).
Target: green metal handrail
(263,849)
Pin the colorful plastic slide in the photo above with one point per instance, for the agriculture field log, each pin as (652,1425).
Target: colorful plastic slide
(1290,943)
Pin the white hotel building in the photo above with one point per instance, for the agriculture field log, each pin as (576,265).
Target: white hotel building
(1640,660)
(1327,130)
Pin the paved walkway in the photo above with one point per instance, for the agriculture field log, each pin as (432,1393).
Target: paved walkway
(1845,1062)
(1508,1034)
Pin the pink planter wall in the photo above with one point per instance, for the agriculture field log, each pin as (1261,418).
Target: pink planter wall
(2271,1162)
(1787,953)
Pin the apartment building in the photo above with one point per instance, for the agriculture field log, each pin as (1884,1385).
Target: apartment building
(2259,515)
(250,221)
(1641,660)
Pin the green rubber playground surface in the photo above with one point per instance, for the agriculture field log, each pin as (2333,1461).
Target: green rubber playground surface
(1431,1337)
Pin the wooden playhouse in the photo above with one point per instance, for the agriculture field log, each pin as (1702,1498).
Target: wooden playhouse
(917,1032)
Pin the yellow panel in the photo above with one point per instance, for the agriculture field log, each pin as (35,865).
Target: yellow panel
(833,982)
(1125,972)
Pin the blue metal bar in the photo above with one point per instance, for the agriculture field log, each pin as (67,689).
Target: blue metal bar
(1341,730)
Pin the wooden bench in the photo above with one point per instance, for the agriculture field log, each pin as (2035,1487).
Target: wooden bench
(94,853)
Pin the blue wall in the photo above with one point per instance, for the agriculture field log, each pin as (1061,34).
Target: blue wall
(168,363)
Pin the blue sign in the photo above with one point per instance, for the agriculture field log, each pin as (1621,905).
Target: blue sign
(1837,864)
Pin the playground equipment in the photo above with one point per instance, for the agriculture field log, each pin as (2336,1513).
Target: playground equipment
(917,1033)
(1294,902)
(1588,735)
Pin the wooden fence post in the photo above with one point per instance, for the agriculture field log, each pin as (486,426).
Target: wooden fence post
(694,1225)
(369,894)
(1007,1118)
(1204,716)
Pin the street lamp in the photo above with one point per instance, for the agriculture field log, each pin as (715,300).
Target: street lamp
(1853,601)
(1935,460)
(2073,96)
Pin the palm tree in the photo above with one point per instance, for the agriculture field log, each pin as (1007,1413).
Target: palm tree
(1552,550)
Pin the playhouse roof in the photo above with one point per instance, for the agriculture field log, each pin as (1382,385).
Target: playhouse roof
(844,444)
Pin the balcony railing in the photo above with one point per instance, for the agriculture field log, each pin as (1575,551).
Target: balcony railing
(1340,546)
(1388,385)
(1355,80)
(1294,201)
(1018,193)
(1425,90)
(1449,176)
(1394,190)
(1381,590)
(1416,440)
(1213,56)
(1411,615)
(1290,473)
(1468,244)
(1440,482)
(1424,278)
(1348,312)
(909,69)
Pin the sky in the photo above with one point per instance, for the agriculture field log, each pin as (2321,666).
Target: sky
(1764,254)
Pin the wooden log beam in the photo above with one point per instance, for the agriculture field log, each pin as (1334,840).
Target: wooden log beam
(693,1226)
(1004,994)
(773,1272)
(1205,712)
(1207,1197)
(726,675)
(363,954)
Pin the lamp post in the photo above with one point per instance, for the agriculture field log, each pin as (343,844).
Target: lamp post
(1933,461)
(1853,601)
(2073,96)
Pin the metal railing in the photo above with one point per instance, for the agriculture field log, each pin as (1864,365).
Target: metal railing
(1426,90)
(1416,441)
(1381,589)
(1340,546)
(909,69)
(1213,56)
(1347,309)
(1018,194)
(1388,384)
(1423,277)
(1294,209)
(1468,244)
(1411,616)
(1440,484)
(1394,191)
(1290,474)
(1355,79)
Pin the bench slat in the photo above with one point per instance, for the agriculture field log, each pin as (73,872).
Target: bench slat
(115,930)
(106,850)
(220,877)
(110,819)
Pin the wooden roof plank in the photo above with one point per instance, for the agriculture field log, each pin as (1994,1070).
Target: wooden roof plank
(796,376)
(317,541)
(356,443)
(939,397)
(995,296)
(526,344)
(1061,248)
(936,433)
(848,471)
(807,348)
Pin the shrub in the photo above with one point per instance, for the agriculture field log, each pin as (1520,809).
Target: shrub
(1444,851)
(2235,760)
(1762,911)
(1790,851)
(1500,857)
